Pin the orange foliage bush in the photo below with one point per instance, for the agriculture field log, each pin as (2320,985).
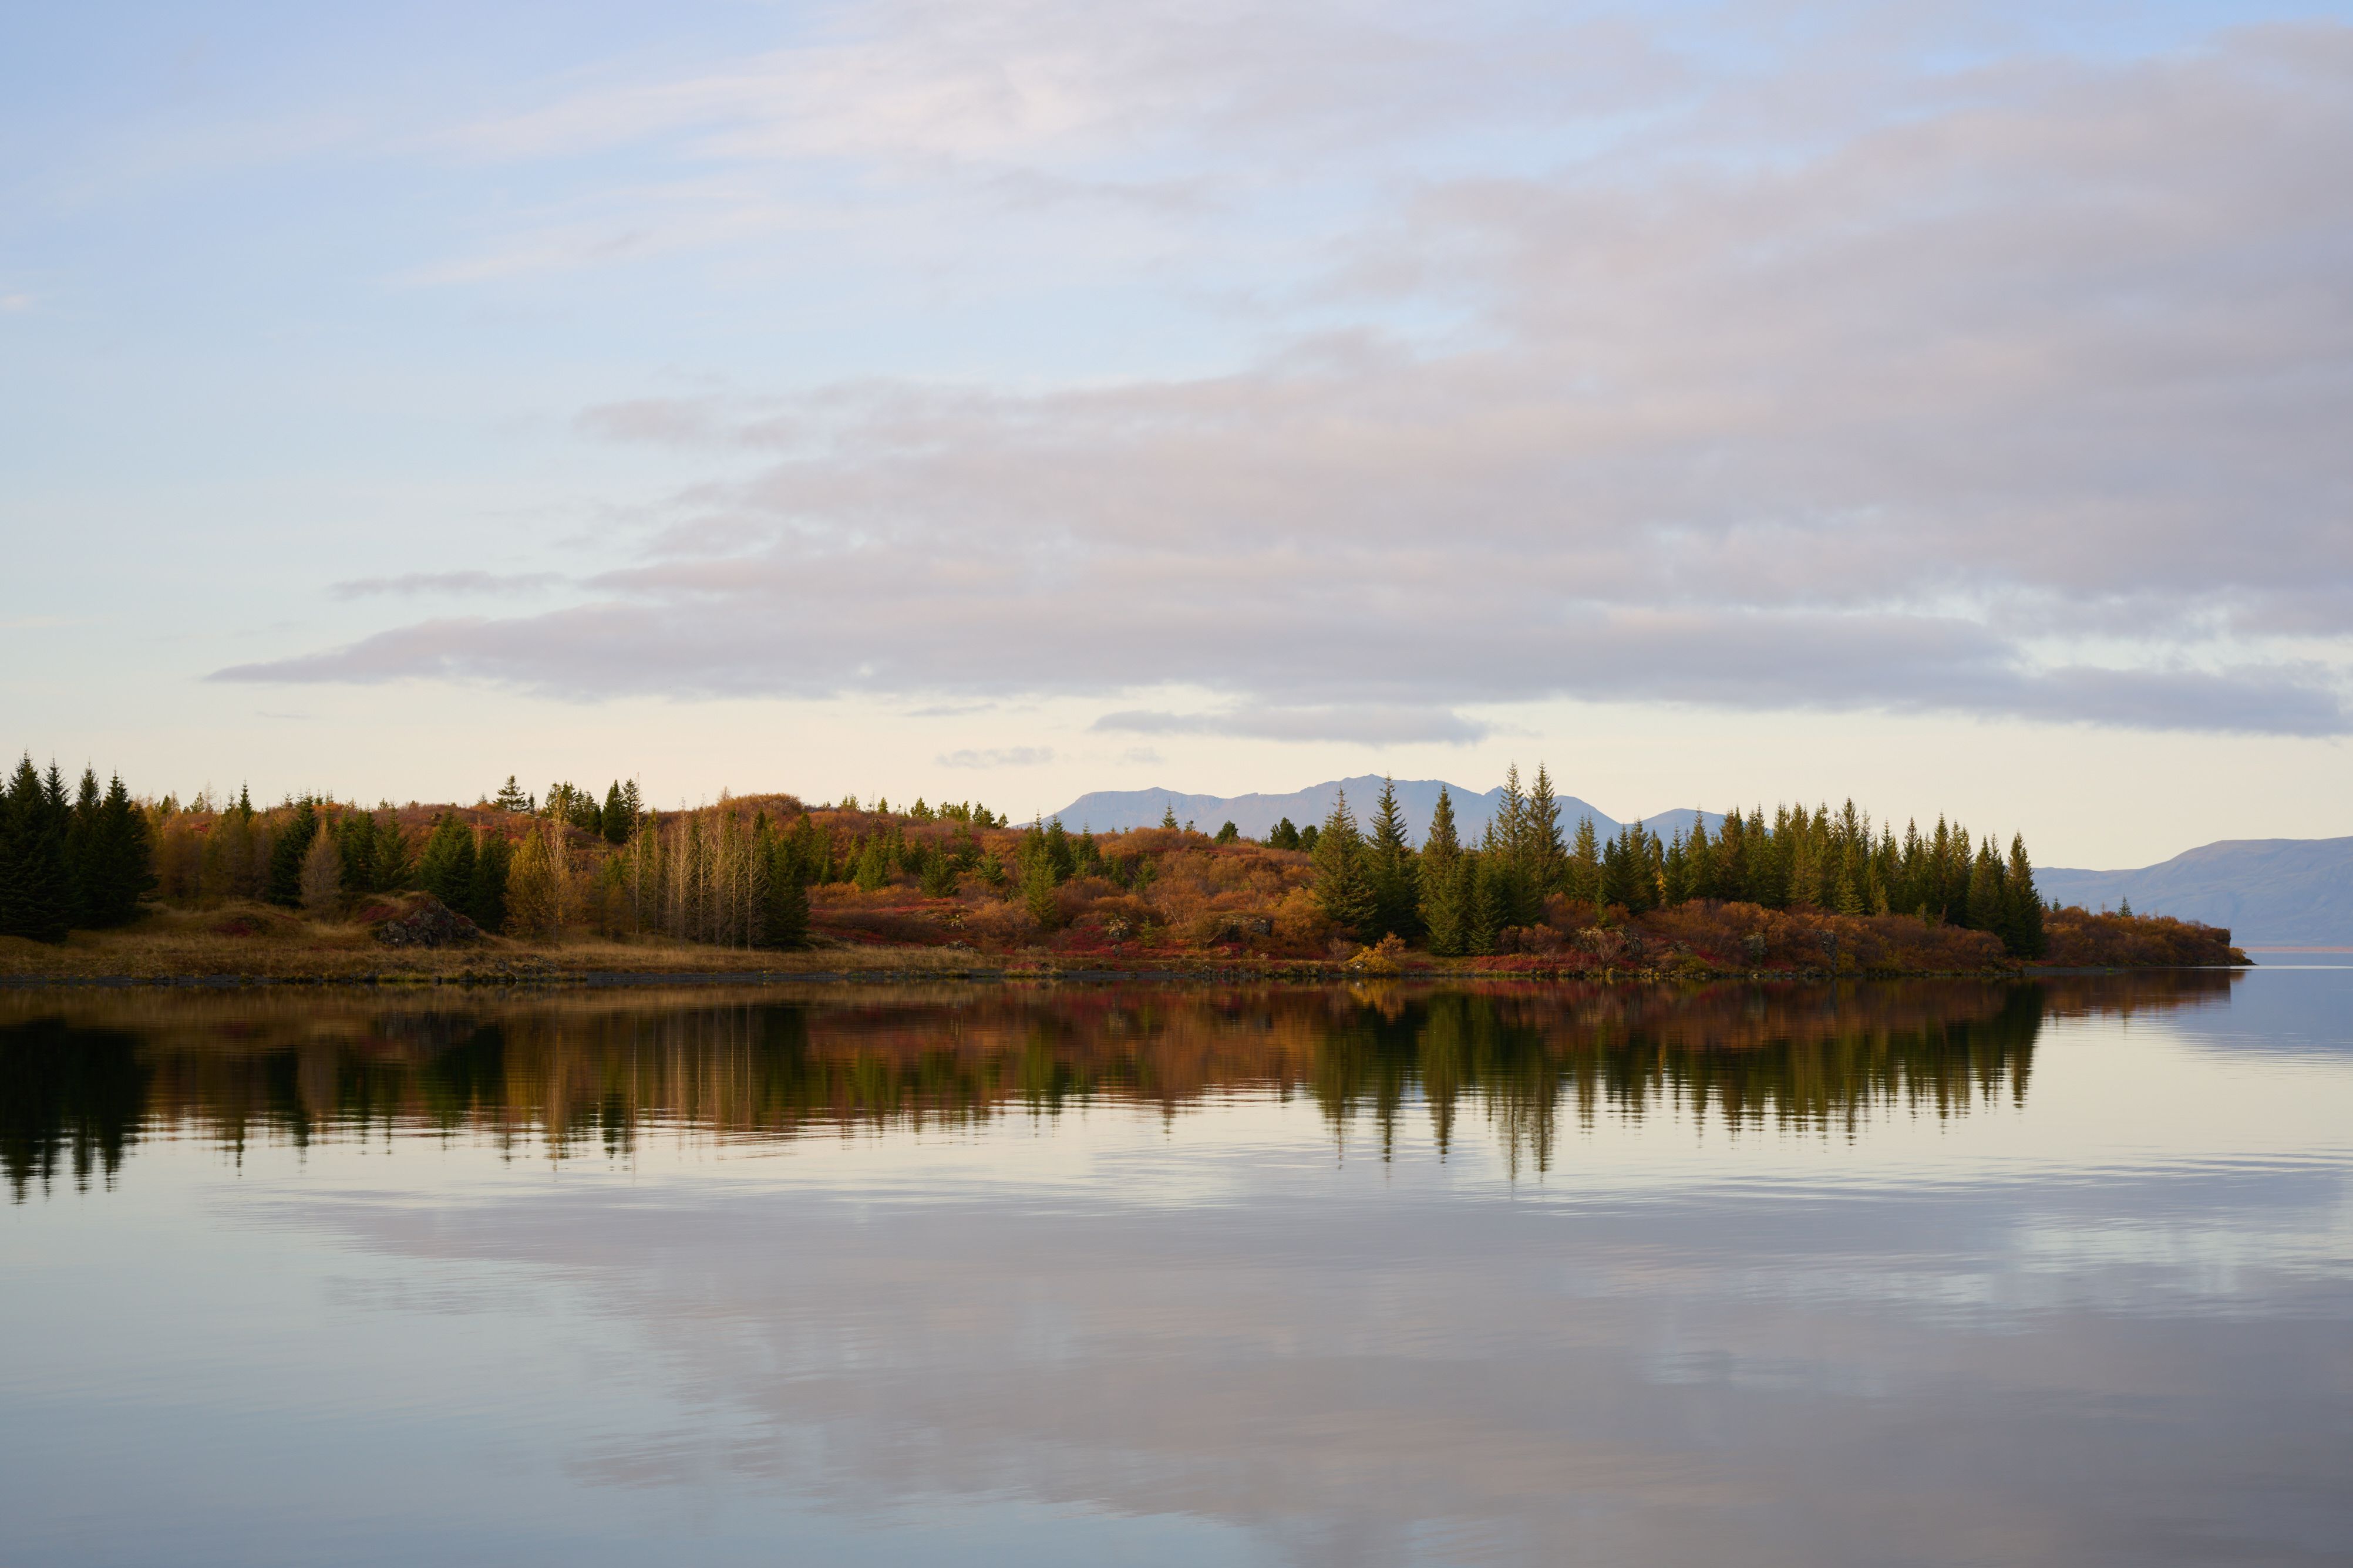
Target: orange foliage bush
(2082,939)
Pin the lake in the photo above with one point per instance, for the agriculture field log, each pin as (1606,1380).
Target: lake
(1918,1272)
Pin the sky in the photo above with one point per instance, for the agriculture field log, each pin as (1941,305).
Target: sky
(1941,406)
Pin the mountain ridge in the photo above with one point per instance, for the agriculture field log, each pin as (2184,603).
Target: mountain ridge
(2269,891)
(1256,813)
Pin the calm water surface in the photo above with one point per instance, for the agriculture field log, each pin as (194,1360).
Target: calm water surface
(1927,1273)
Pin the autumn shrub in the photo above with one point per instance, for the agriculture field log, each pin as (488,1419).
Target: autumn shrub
(2082,939)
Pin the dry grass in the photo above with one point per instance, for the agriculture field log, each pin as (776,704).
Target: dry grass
(256,942)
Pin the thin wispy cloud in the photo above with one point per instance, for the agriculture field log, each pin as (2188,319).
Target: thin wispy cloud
(1005,757)
(413,584)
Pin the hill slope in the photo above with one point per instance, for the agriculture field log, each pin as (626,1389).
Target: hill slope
(1255,814)
(2284,891)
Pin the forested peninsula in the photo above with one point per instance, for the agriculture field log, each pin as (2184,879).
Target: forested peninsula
(96,881)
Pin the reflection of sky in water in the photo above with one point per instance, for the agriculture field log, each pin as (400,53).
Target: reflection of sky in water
(2112,1323)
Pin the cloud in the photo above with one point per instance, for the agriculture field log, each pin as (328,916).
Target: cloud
(413,583)
(2025,401)
(1011,757)
(1369,725)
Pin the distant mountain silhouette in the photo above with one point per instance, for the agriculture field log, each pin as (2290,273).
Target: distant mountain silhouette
(2290,892)
(1113,809)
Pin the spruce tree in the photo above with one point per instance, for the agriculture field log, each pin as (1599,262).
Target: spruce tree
(486,891)
(1486,904)
(286,854)
(1392,872)
(2022,931)
(1445,912)
(1168,815)
(511,796)
(444,867)
(1342,891)
(616,819)
(35,892)
(1284,837)
(83,852)
(1983,909)
(1547,855)
(124,865)
(1583,874)
(784,921)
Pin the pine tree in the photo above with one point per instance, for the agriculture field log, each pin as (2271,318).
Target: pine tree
(1228,833)
(1342,892)
(511,796)
(1392,873)
(1284,837)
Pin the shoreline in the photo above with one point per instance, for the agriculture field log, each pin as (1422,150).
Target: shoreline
(1294,972)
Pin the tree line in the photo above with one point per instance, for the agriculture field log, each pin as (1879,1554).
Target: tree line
(1459,898)
(740,874)
(81,859)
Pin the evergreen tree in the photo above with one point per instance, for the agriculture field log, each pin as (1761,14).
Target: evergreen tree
(1342,891)
(1392,872)
(1168,815)
(1487,904)
(784,921)
(287,854)
(445,867)
(486,891)
(511,796)
(1547,855)
(1582,875)
(1983,909)
(2023,931)
(1284,837)
(1037,894)
(1228,833)
(1307,839)
(1445,901)
(1675,872)
(125,869)
(618,820)
(82,852)
(36,890)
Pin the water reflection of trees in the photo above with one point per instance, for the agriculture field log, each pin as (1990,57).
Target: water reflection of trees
(575,1073)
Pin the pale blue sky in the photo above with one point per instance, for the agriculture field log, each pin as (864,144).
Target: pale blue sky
(1730,402)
